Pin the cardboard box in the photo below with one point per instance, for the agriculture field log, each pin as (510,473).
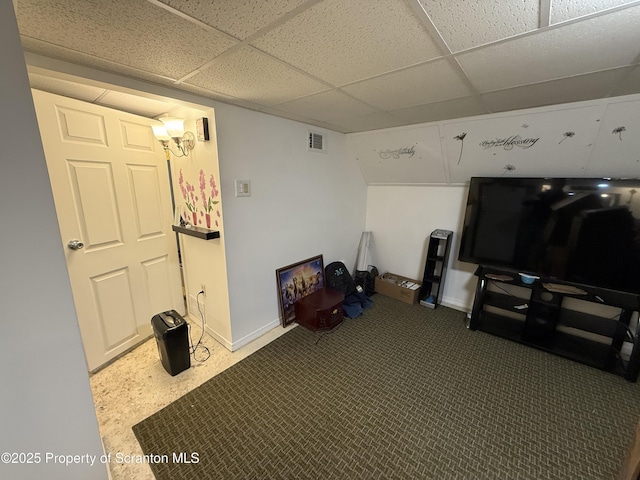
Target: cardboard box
(396,286)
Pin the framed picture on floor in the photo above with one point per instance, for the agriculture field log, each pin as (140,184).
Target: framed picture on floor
(295,282)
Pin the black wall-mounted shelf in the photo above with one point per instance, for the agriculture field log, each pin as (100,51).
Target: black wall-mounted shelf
(197,232)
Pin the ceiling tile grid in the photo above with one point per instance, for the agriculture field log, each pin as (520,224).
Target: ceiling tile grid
(345,41)
(326,106)
(238,18)
(564,10)
(557,52)
(251,75)
(426,83)
(468,24)
(350,65)
(79,58)
(133,33)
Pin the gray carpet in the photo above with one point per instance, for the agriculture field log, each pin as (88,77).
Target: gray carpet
(403,392)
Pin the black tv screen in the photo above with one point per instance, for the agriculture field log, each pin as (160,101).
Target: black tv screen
(577,230)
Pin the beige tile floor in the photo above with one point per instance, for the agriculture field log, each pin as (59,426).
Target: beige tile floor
(137,385)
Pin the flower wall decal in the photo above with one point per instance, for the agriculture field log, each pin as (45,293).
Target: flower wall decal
(189,197)
(187,193)
(209,198)
(461,138)
(618,131)
(566,135)
(208,202)
(508,168)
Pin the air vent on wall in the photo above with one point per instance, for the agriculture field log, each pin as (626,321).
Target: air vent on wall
(316,142)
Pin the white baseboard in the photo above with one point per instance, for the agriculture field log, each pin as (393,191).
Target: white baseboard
(255,334)
(455,304)
(233,346)
(219,338)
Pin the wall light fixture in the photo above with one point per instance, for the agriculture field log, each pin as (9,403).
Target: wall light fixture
(171,128)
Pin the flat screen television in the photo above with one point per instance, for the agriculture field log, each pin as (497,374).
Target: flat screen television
(577,230)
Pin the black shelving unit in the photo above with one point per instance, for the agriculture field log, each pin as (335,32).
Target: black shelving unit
(540,315)
(435,268)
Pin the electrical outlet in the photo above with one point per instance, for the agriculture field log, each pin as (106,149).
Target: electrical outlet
(203,289)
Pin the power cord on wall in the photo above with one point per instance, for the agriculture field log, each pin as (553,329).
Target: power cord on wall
(194,349)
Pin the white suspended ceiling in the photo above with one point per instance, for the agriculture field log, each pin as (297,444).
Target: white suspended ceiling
(345,65)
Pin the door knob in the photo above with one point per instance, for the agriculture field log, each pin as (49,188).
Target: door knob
(75,244)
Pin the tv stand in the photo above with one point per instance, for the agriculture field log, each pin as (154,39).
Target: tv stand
(582,323)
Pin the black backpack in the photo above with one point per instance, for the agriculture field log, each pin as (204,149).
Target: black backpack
(337,276)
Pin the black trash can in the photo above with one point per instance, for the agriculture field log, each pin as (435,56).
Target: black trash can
(172,337)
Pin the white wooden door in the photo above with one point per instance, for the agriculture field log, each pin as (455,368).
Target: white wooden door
(111,191)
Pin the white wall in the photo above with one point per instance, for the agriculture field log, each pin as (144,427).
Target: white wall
(45,397)
(204,261)
(302,204)
(401,218)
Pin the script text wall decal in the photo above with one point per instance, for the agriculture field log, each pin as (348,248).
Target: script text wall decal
(509,142)
(398,152)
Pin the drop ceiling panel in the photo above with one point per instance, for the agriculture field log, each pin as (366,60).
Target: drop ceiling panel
(348,65)
(327,106)
(253,76)
(467,24)
(433,112)
(65,88)
(207,93)
(129,32)
(563,10)
(237,18)
(372,121)
(342,42)
(54,51)
(558,52)
(565,90)
(431,82)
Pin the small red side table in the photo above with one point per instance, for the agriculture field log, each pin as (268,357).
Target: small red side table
(321,310)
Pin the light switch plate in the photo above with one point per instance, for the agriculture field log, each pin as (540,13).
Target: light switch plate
(243,188)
